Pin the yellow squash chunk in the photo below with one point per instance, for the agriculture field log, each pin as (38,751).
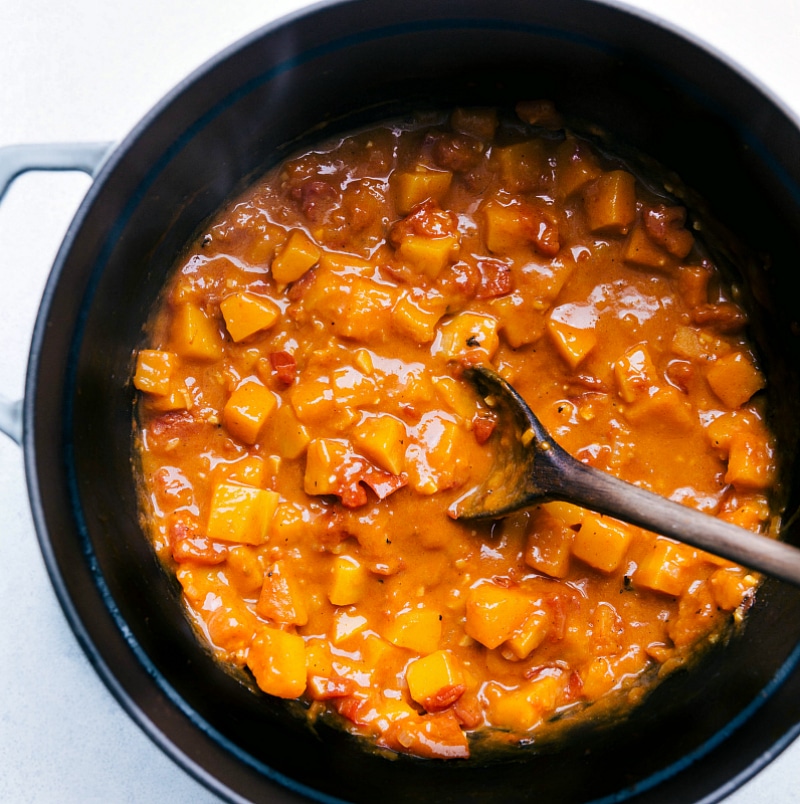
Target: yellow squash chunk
(194,335)
(601,542)
(610,202)
(416,316)
(641,252)
(348,581)
(428,255)
(662,568)
(281,599)
(635,373)
(418,629)
(751,463)
(241,513)
(247,410)
(383,439)
(434,680)
(467,333)
(291,437)
(245,314)
(573,335)
(414,187)
(298,255)
(494,613)
(530,634)
(549,544)
(734,378)
(154,371)
(277,659)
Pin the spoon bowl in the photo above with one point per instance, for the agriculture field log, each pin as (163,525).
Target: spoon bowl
(531,468)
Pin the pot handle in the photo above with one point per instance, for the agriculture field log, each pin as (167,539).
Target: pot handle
(15,160)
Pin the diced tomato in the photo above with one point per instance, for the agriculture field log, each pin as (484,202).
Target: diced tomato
(284,365)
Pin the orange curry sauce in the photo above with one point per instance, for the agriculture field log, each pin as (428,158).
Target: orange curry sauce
(303,428)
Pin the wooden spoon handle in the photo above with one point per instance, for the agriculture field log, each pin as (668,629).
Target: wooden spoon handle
(580,484)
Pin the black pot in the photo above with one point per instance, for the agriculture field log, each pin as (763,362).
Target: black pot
(340,65)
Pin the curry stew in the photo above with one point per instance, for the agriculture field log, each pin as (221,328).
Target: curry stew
(303,429)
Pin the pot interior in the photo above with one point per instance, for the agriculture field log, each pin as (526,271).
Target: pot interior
(338,67)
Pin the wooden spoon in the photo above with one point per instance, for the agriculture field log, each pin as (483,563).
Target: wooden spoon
(532,468)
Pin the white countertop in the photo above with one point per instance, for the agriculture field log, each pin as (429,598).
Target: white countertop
(89,70)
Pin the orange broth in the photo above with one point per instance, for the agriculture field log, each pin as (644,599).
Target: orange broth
(303,428)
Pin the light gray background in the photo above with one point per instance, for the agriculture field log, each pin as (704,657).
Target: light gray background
(89,70)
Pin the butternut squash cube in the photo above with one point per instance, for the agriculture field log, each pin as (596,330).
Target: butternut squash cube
(281,599)
(383,438)
(313,400)
(245,314)
(734,378)
(662,568)
(519,319)
(507,228)
(348,582)
(240,513)
(605,673)
(730,587)
(418,629)
(414,187)
(277,660)
(530,634)
(249,471)
(347,623)
(610,202)
(325,458)
(291,436)
(154,371)
(416,316)
(573,336)
(467,333)
(751,462)
(431,457)
(549,544)
(494,613)
(194,335)
(435,681)
(247,410)
(457,396)
(601,542)
(429,255)
(635,373)
(641,252)
(667,408)
(521,164)
(576,166)
(297,255)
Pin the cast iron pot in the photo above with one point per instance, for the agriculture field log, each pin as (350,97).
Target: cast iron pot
(333,67)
